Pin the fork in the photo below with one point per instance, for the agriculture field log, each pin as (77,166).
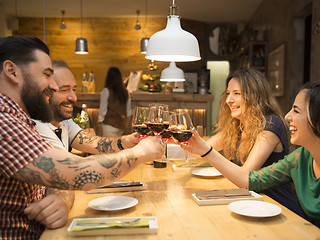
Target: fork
(125,223)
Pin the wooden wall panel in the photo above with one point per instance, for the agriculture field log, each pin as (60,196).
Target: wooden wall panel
(111,42)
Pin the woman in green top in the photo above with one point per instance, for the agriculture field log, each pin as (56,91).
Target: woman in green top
(302,167)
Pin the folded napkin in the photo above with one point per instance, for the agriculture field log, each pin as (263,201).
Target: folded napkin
(86,225)
(174,151)
(223,193)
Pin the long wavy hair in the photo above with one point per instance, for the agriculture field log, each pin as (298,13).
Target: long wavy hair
(115,84)
(240,136)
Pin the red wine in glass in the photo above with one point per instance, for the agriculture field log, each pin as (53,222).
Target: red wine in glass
(158,128)
(142,129)
(182,136)
(139,121)
(181,125)
(166,135)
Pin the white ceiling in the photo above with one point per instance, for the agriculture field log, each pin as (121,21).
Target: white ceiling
(210,11)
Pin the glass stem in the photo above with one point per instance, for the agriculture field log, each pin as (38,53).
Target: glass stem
(186,157)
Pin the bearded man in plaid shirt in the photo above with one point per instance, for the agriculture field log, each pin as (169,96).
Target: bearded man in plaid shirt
(28,162)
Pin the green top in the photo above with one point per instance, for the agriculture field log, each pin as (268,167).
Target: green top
(297,168)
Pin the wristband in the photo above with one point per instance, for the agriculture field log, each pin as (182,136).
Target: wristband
(209,151)
(119,144)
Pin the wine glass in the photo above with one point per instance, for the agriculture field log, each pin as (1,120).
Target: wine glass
(139,121)
(180,129)
(158,118)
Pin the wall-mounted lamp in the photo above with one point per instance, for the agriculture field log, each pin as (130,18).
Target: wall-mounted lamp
(173,44)
(81,43)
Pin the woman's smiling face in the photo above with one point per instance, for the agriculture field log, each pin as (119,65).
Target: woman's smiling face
(235,99)
(297,117)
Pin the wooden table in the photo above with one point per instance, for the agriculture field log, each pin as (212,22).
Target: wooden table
(169,199)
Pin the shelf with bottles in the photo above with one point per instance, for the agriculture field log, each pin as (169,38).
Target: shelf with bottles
(88,83)
(253,55)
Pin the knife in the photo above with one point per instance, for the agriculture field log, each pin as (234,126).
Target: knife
(123,184)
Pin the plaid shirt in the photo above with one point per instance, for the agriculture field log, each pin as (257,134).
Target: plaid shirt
(20,144)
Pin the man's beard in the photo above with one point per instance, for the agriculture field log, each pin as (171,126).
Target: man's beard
(35,101)
(58,114)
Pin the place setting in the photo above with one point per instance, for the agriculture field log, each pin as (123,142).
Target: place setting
(113,225)
(123,186)
(224,196)
(258,209)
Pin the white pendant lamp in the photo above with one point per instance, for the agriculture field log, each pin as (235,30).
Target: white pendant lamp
(173,44)
(81,43)
(172,74)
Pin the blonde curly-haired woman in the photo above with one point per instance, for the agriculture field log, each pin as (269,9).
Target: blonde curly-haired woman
(251,131)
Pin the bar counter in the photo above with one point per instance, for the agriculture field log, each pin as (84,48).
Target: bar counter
(141,98)
(168,198)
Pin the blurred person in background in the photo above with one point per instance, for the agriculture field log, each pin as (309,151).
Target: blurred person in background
(115,105)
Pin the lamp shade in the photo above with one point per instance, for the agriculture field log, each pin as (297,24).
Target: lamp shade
(81,46)
(172,74)
(144,45)
(173,44)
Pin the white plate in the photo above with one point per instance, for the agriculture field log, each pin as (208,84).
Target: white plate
(206,172)
(112,203)
(251,208)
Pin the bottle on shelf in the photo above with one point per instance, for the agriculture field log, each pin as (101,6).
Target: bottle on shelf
(85,83)
(84,117)
(92,84)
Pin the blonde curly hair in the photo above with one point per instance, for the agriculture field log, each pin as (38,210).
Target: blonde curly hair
(239,137)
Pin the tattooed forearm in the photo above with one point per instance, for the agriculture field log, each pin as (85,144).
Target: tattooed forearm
(87,138)
(87,177)
(116,171)
(131,159)
(105,161)
(46,164)
(105,145)
(27,175)
(79,169)
(31,176)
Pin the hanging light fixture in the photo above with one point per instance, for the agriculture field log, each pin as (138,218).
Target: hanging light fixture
(143,45)
(172,74)
(173,43)
(62,24)
(144,41)
(81,43)
(137,26)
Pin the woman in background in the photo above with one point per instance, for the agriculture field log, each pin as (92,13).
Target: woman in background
(115,105)
(251,131)
(301,167)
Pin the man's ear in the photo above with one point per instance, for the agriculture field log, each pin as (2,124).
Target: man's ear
(10,70)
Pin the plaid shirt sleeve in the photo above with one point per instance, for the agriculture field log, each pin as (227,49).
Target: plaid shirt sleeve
(20,144)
